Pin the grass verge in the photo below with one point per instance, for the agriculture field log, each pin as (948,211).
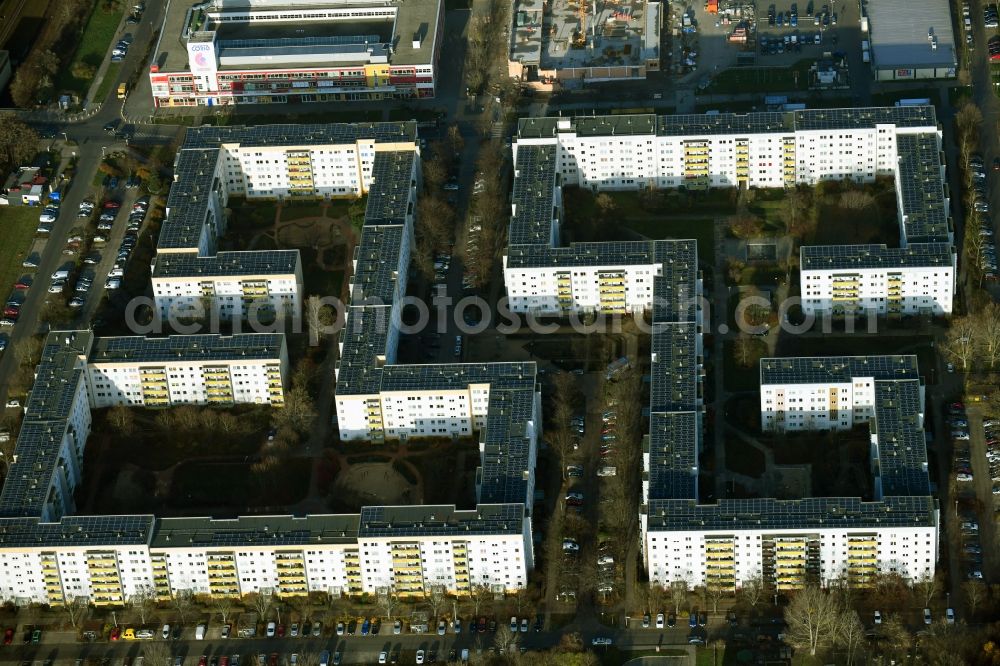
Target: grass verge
(761,79)
(18,224)
(92,49)
(110,77)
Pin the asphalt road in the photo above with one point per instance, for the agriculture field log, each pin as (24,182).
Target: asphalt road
(355,649)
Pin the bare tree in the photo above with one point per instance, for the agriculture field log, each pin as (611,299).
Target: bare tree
(856,200)
(435,598)
(505,639)
(387,599)
(480,595)
(927,588)
(156,653)
(850,633)
(564,393)
(975,594)
(752,590)
(746,226)
(896,637)
(679,590)
(712,594)
(987,323)
(960,342)
(183,602)
(224,607)
(75,609)
(813,619)
(122,419)
(143,602)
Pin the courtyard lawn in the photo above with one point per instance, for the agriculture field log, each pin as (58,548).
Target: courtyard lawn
(92,49)
(235,485)
(743,458)
(18,224)
(737,377)
(761,79)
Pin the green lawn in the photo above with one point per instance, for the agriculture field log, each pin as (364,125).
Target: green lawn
(18,224)
(92,49)
(108,82)
(661,228)
(761,79)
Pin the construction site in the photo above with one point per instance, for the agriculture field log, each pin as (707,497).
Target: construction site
(567,43)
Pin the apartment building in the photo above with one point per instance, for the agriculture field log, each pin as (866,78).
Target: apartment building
(790,543)
(188,369)
(46,467)
(771,149)
(857,279)
(828,393)
(296,51)
(191,278)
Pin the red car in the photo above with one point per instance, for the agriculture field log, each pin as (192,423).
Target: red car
(23,284)
(281,630)
(116,633)
(273,659)
(482,625)
(8,637)
(112,204)
(203,661)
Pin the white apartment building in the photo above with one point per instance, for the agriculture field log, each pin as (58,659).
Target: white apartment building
(791,543)
(188,369)
(859,541)
(108,559)
(271,162)
(828,393)
(850,279)
(773,149)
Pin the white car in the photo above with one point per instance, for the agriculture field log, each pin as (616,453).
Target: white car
(420,656)
(383,657)
(659,620)
(13,404)
(513,624)
(57,286)
(46,216)
(113,283)
(271,627)
(340,628)
(950,616)
(397,627)
(878,617)
(144,634)
(927,616)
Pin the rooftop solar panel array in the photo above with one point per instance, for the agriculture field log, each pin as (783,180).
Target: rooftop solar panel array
(533,196)
(860,257)
(767,513)
(902,449)
(376,275)
(672,446)
(442,520)
(180,348)
(920,188)
(363,340)
(255,531)
(58,379)
(836,369)
(208,136)
(226,264)
(77,531)
(188,201)
(392,184)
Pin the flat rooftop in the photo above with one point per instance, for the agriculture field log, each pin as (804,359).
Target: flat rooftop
(412,18)
(901,34)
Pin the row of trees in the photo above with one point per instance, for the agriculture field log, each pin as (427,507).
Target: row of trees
(973,341)
(486,232)
(435,227)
